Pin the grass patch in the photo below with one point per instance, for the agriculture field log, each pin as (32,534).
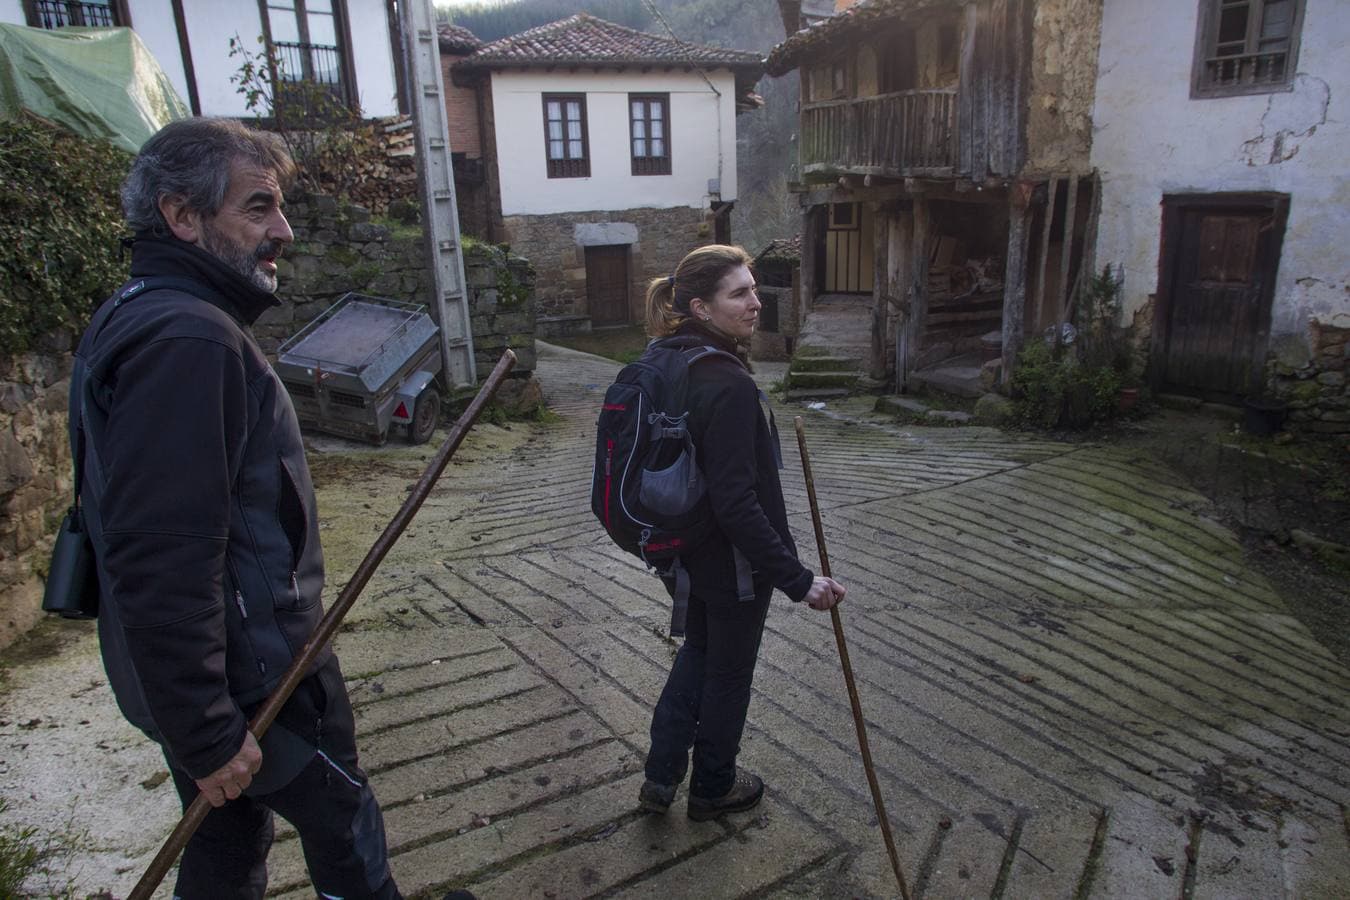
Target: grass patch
(620,344)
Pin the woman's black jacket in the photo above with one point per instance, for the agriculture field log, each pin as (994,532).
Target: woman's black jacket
(739,460)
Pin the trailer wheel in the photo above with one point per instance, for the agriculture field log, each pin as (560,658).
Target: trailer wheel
(426,416)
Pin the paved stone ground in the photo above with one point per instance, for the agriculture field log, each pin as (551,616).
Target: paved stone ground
(1075,686)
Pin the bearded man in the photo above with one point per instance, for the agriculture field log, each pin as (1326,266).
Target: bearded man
(200,508)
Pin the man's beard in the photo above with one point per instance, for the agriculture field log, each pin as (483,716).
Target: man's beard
(246,263)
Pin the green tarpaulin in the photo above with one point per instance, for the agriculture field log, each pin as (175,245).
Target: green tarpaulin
(98,82)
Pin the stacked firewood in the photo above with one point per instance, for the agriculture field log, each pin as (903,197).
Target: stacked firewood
(387,171)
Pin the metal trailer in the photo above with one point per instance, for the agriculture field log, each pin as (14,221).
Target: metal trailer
(364,365)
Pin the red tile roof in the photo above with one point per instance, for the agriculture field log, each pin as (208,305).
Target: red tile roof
(585,40)
(850,25)
(457,40)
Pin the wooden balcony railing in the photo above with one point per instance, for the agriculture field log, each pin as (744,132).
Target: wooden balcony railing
(905,133)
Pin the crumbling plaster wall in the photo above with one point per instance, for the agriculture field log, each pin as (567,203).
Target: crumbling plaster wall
(1063,73)
(1152,139)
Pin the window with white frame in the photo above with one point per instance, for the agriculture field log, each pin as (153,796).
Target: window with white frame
(1246,46)
(565,144)
(305,37)
(649,132)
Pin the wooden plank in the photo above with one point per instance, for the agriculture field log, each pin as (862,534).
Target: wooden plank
(1015,279)
(901,253)
(1066,250)
(965,100)
(1038,304)
(881,228)
(919,274)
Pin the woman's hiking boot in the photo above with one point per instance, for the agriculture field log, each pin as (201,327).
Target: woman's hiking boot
(745,793)
(654,797)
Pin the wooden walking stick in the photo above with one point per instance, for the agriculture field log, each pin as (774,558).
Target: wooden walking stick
(328,627)
(848,668)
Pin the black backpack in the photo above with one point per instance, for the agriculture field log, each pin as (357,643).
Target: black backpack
(646,487)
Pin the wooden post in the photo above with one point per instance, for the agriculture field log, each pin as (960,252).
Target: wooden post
(901,246)
(918,279)
(1066,290)
(966,87)
(881,289)
(1015,280)
(810,236)
(1038,306)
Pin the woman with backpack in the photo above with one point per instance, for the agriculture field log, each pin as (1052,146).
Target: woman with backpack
(711,300)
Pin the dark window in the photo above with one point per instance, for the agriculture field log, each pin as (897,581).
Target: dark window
(59,14)
(649,132)
(843,216)
(839,86)
(896,56)
(1246,46)
(949,51)
(305,39)
(565,144)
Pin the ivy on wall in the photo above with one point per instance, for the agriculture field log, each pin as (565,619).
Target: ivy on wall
(59,229)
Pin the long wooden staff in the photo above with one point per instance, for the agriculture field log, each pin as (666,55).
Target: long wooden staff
(328,627)
(848,668)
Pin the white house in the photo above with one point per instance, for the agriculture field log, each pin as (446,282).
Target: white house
(352,45)
(609,154)
(1221,129)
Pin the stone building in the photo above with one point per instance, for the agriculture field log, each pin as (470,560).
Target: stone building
(1220,141)
(943,172)
(608,153)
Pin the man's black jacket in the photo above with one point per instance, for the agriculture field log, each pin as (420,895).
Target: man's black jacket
(200,506)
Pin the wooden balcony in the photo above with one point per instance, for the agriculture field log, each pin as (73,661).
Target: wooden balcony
(908,133)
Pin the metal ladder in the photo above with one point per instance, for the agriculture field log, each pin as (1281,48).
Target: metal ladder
(436,180)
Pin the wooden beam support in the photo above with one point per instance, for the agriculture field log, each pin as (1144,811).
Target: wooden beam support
(1066,292)
(902,249)
(1038,305)
(918,278)
(881,218)
(1015,278)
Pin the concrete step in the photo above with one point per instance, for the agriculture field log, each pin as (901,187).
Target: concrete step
(844,380)
(796,394)
(812,362)
(962,381)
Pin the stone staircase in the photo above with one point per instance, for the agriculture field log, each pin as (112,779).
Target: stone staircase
(816,373)
(831,350)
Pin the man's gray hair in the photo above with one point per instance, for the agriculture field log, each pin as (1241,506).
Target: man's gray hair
(192,158)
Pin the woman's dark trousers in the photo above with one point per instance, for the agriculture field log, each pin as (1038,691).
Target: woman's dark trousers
(706,697)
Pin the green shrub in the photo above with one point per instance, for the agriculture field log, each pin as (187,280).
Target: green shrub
(60,229)
(1052,389)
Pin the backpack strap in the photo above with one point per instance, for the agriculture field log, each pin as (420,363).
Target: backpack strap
(677,580)
(127,293)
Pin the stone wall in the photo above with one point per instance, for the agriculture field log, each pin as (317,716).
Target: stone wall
(35,476)
(1311,379)
(556,246)
(339,249)
(1065,42)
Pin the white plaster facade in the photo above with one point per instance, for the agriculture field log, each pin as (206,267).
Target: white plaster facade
(1150,139)
(210,25)
(702,141)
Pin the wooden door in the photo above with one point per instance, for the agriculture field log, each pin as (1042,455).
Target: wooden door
(1220,257)
(607,284)
(848,249)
